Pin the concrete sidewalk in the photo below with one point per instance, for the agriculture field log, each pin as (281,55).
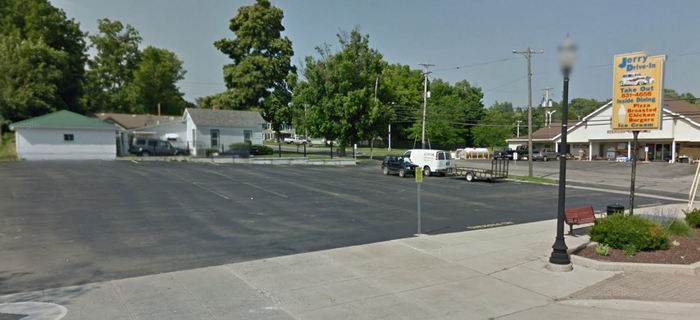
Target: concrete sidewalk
(482,274)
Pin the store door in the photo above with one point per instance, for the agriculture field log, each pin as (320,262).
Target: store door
(661,152)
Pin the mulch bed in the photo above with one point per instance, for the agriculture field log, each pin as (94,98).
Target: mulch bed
(686,253)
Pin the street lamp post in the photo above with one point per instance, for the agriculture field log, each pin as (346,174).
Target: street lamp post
(560,260)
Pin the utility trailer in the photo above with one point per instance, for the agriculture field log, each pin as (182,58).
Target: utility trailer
(499,170)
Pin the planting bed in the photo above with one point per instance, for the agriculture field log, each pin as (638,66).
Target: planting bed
(686,253)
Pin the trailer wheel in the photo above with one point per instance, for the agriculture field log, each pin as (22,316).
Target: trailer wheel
(469,176)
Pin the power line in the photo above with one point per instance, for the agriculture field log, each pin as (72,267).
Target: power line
(478,64)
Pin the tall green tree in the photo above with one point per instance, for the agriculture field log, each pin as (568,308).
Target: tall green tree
(401,88)
(494,128)
(112,67)
(451,112)
(339,91)
(155,83)
(31,74)
(261,64)
(504,107)
(37,21)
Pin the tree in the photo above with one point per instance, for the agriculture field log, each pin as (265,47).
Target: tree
(113,65)
(450,113)
(37,21)
(261,66)
(504,107)
(340,91)
(494,128)
(155,83)
(31,74)
(673,94)
(402,89)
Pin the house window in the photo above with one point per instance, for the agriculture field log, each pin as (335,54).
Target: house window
(214,133)
(68,137)
(247,135)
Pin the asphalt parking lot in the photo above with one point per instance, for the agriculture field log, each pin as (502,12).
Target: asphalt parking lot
(67,223)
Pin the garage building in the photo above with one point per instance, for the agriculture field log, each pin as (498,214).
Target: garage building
(65,135)
(591,138)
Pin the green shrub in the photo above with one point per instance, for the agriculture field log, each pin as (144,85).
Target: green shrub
(261,150)
(629,249)
(240,145)
(679,228)
(693,218)
(602,249)
(210,152)
(629,233)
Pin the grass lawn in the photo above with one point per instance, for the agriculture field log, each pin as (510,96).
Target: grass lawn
(380,151)
(286,154)
(531,179)
(7,149)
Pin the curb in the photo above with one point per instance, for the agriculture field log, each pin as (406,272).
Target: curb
(685,269)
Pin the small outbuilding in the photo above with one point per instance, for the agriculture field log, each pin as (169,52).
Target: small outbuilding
(217,129)
(65,135)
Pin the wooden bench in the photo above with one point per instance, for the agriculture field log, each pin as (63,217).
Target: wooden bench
(576,216)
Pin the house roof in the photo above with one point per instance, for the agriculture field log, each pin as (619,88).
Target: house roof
(543,133)
(225,118)
(684,108)
(132,121)
(63,119)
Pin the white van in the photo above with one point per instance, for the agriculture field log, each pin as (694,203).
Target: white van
(431,160)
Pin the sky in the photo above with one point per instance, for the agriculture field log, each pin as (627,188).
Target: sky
(478,36)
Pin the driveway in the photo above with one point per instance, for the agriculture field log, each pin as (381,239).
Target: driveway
(68,223)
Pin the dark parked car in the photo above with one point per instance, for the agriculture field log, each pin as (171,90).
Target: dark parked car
(503,153)
(544,154)
(522,152)
(152,147)
(398,164)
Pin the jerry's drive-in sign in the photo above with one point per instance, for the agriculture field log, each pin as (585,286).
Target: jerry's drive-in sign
(637,91)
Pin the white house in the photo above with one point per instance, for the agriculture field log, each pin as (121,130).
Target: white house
(64,135)
(217,129)
(592,138)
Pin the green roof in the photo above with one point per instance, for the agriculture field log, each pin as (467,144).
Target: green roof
(63,119)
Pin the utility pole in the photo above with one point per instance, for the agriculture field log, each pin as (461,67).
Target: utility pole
(517,126)
(425,99)
(528,56)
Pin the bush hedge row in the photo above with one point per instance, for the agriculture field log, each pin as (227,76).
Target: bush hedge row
(630,233)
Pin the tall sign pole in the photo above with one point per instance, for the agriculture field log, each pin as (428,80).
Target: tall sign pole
(637,100)
(425,99)
(419,182)
(528,56)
